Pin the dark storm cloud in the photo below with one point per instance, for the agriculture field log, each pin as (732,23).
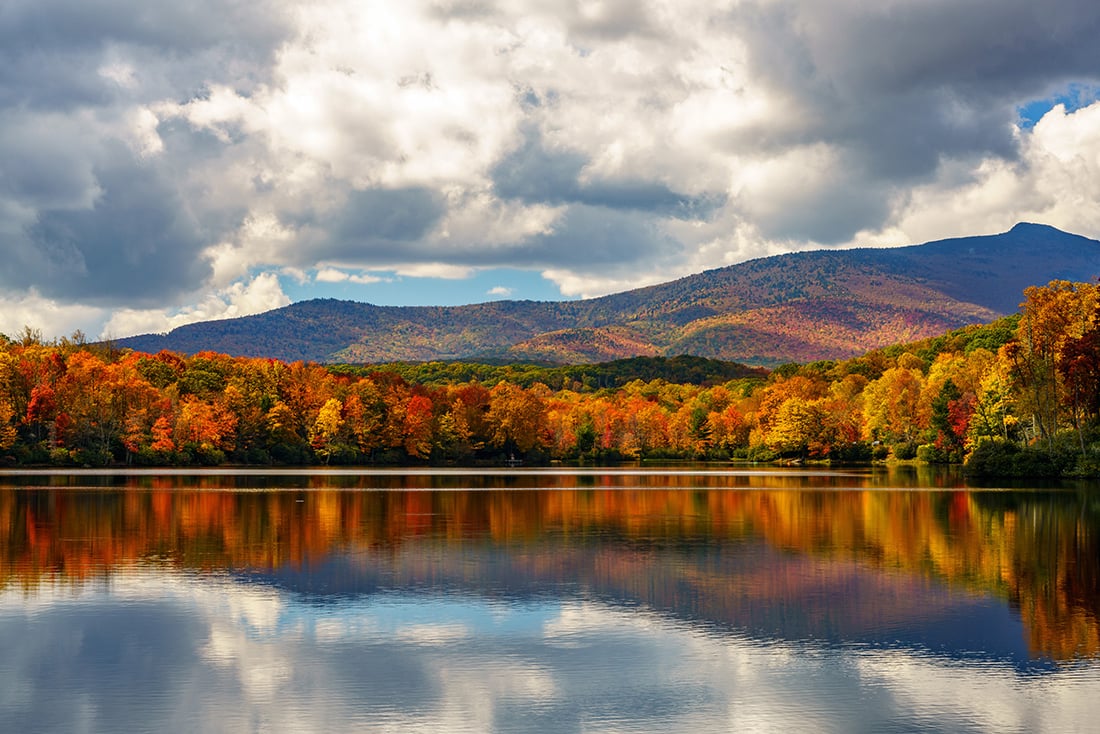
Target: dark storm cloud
(169,27)
(827,215)
(534,173)
(102,224)
(898,88)
(904,83)
(388,214)
(371,226)
(51,51)
(586,238)
(45,163)
(137,244)
(589,235)
(390,227)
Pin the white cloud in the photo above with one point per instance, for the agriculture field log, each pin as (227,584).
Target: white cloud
(260,294)
(46,315)
(434,270)
(499,290)
(333,275)
(582,285)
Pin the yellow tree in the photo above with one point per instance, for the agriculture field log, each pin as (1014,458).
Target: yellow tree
(452,434)
(795,426)
(517,417)
(891,404)
(325,433)
(1051,315)
(7,430)
(774,395)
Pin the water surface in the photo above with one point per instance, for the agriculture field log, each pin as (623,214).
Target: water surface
(554,600)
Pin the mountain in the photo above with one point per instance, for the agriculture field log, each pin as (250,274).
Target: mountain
(825,304)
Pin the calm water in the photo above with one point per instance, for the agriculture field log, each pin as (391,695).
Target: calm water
(545,601)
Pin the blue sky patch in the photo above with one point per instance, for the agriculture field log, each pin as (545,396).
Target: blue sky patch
(1074,97)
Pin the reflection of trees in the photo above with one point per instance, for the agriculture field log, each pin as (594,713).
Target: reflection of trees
(1040,551)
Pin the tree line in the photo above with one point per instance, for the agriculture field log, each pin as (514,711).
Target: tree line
(1020,396)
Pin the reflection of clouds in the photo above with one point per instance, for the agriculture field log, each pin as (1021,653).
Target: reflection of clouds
(966,696)
(258,609)
(180,651)
(433,634)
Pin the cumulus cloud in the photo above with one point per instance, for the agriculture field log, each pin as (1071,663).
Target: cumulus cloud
(333,275)
(260,294)
(46,315)
(155,156)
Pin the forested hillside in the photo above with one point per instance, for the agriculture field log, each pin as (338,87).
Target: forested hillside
(789,308)
(1019,396)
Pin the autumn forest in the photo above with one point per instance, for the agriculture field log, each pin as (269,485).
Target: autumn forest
(1020,396)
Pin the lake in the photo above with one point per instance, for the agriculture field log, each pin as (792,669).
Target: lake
(558,600)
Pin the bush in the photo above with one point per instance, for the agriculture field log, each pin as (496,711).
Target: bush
(148,457)
(854,453)
(92,457)
(905,450)
(201,454)
(756,454)
(1001,459)
(930,453)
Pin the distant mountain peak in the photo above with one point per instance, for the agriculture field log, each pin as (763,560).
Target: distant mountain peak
(1036,227)
(799,307)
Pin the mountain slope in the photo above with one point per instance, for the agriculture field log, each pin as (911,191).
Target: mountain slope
(798,307)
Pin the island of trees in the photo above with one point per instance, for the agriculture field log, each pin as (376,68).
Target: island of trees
(1020,396)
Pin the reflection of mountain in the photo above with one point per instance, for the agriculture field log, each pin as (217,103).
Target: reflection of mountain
(744,586)
(833,564)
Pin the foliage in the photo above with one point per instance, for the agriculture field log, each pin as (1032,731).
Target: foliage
(1004,459)
(682,369)
(1031,406)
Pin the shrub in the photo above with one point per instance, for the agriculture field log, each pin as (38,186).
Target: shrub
(1002,459)
(929,453)
(905,450)
(859,452)
(91,457)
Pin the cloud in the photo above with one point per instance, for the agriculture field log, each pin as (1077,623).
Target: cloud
(260,294)
(51,317)
(332,275)
(434,270)
(137,224)
(500,291)
(1055,179)
(155,155)
(533,173)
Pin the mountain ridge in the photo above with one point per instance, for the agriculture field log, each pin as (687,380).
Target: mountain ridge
(802,306)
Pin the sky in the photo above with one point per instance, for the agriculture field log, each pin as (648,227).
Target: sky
(162,163)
